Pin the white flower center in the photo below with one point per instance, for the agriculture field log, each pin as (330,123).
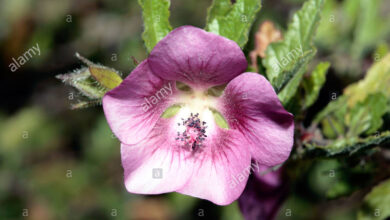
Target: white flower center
(195,117)
(195,120)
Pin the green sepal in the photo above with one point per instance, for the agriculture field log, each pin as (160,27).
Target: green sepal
(81,80)
(219,119)
(171,111)
(107,77)
(92,82)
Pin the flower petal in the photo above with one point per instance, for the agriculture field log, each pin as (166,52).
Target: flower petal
(221,171)
(263,196)
(268,176)
(133,108)
(156,165)
(197,58)
(251,105)
(217,171)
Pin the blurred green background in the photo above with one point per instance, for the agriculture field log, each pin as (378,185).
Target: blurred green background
(57,163)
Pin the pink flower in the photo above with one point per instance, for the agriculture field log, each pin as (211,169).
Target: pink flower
(189,152)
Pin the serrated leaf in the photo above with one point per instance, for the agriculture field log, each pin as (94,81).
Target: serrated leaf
(232,21)
(376,204)
(107,77)
(313,84)
(333,126)
(345,146)
(155,14)
(360,109)
(293,78)
(331,108)
(283,59)
(338,119)
(366,116)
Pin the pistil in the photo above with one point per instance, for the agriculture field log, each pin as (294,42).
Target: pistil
(194,134)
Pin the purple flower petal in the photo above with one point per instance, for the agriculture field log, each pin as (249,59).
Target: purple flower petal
(263,196)
(222,170)
(156,165)
(251,105)
(133,108)
(197,58)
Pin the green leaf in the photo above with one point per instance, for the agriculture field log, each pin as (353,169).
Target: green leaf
(345,146)
(361,108)
(287,60)
(331,108)
(381,51)
(376,204)
(366,117)
(338,189)
(334,178)
(293,78)
(353,26)
(328,179)
(218,8)
(232,21)
(339,19)
(333,126)
(338,119)
(155,14)
(376,80)
(313,84)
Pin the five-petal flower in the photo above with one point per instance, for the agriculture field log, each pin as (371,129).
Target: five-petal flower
(197,156)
